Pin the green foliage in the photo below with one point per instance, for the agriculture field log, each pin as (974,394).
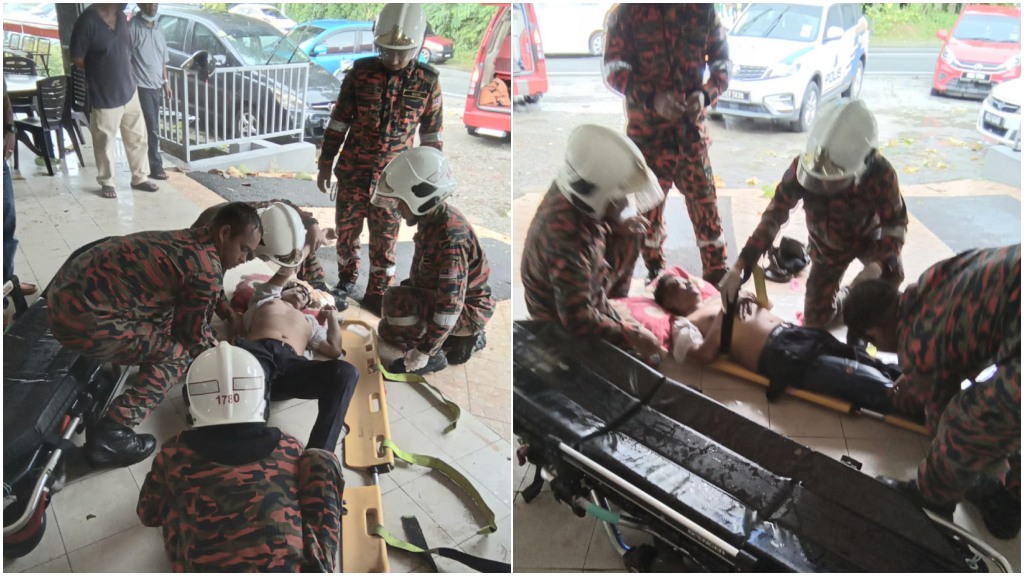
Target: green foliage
(910,22)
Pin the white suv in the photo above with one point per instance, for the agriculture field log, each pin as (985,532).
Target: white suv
(788,58)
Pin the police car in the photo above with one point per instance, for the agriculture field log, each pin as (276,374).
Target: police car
(788,58)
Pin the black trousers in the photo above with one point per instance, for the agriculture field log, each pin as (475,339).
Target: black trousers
(150,100)
(330,382)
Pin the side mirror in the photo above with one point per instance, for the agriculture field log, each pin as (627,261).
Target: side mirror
(317,50)
(220,59)
(833,33)
(942,35)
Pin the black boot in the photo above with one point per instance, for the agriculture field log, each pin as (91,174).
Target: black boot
(372,303)
(999,508)
(434,363)
(343,288)
(909,489)
(117,445)
(458,349)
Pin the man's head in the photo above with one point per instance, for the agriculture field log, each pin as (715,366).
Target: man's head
(398,34)
(839,149)
(677,295)
(605,176)
(416,182)
(236,232)
(870,312)
(297,295)
(225,385)
(148,12)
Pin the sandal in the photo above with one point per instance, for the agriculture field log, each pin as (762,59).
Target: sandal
(159,176)
(108,192)
(146,186)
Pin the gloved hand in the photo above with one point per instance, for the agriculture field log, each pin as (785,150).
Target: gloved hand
(667,107)
(871,271)
(414,360)
(694,106)
(729,287)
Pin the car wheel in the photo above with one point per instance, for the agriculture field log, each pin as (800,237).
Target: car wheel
(426,55)
(715,116)
(858,79)
(597,43)
(808,110)
(936,92)
(472,131)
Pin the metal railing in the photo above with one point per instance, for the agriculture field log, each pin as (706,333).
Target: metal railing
(234,106)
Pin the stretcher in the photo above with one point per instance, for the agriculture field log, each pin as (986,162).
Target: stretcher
(716,491)
(51,394)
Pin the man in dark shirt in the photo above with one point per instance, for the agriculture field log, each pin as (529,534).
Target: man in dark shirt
(102,46)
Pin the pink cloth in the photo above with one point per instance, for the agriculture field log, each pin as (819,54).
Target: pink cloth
(651,316)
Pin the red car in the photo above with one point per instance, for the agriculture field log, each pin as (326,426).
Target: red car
(982,50)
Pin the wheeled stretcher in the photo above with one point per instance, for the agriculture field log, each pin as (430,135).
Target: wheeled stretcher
(50,394)
(715,490)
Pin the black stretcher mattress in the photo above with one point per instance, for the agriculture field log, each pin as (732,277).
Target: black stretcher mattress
(783,504)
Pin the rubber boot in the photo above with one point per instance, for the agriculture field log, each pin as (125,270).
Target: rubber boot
(458,349)
(435,363)
(117,445)
(999,508)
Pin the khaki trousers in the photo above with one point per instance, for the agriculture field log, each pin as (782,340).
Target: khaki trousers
(103,124)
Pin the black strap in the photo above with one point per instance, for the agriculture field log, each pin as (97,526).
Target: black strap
(725,344)
(475,562)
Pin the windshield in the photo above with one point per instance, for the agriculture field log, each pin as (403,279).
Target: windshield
(779,22)
(303,35)
(988,28)
(260,43)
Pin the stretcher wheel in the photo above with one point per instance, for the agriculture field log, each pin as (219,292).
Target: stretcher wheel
(25,540)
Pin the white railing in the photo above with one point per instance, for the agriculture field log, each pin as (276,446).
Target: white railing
(234,106)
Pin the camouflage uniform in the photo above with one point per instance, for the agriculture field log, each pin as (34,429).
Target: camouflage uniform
(145,299)
(572,264)
(447,291)
(277,512)
(962,316)
(867,222)
(376,116)
(662,48)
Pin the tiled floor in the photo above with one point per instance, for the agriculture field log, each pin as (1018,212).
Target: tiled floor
(92,526)
(549,538)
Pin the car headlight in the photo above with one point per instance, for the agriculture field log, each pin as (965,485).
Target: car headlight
(1011,63)
(782,69)
(948,57)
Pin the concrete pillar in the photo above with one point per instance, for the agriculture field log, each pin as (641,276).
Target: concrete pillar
(66,16)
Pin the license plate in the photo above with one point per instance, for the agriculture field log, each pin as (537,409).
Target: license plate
(993,120)
(975,76)
(737,95)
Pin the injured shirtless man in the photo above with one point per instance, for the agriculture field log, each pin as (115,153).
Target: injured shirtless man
(788,355)
(284,339)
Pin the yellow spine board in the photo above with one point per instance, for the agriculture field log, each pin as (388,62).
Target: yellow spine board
(362,550)
(367,416)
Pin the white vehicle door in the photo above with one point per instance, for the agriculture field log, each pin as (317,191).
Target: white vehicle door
(834,49)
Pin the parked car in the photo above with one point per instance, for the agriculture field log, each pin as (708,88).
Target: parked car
(436,49)
(983,49)
(266,13)
(511,53)
(240,41)
(789,58)
(573,28)
(999,119)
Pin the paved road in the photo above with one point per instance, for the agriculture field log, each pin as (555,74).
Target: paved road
(881,60)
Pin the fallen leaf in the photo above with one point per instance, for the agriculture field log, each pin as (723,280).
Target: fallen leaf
(752,181)
(769,191)
(719,183)
(930,151)
(955,141)
(908,141)
(892,143)
(911,169)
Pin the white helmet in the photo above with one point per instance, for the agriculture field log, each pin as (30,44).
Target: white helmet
(284,236)
(400,27)
(839,147)
(420,177)
(603,167)
(225,385)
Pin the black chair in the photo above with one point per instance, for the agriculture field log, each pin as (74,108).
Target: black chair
(12,40)
(79,101)
(54,115)
(20,65)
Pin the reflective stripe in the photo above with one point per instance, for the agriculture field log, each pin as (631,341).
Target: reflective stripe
(897,232)
(337,126)
(389,271)
(445,320)
(615,66)
(430,138)
(716,242)
(402,320)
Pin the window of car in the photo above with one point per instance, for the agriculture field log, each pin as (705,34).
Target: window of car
(780,22)
(257,42)
(989,28)
(205,39)
(303,35)
(366,42)
(174,29)
(835,18)
(343,42)
(851,15)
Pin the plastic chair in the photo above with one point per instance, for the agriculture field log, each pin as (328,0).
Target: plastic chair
(19,65)
(54,115)
(42,53)
(13,40)
(28,43)
(79,101)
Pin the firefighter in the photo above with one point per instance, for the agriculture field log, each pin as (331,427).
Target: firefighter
(962,317)
(853,207)
(383,101)
(655,57)
(440,311)
(584,240)
(146,299)
(233,494)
